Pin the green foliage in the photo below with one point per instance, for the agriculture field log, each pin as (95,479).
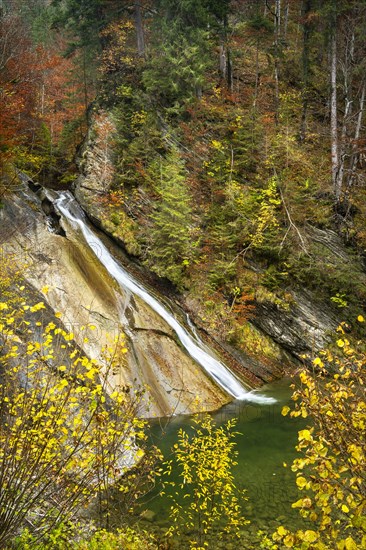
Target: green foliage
(332,466)
(77,537)
(40,160)
(186,13)
(222,273)
(275,277)
(138,142)
(204,462)
(339,300)
(177,75)
(83,18)
(260,23)
(123,538)
(254,222)
(121,227)
(172,234)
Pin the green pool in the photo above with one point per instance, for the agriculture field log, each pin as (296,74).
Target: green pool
(267,440)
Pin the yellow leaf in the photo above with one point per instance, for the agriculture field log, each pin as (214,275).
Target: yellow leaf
(285,410)
(289,541)
(350,544)
(345,509)
(282,531)
(360,319)
(304,434)
(301,482)
(37,307)
(310,536)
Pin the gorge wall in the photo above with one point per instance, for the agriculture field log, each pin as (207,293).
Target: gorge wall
(61,271)
(301,326)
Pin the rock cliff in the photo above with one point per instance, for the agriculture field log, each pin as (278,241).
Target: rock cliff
(54,256)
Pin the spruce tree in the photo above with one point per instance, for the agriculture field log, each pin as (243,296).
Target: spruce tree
(171,234)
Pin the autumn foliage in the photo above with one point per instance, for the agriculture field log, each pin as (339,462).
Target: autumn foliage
(39,87)
(330,471)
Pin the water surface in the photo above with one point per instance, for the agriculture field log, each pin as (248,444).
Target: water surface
(266,441)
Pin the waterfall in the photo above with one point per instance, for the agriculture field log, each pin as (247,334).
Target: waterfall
(69,208)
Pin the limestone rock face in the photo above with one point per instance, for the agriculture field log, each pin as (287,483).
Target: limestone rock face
(81,289)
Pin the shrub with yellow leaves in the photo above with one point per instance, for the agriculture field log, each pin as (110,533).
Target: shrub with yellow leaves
(63,440)
(204,463)
(332,469)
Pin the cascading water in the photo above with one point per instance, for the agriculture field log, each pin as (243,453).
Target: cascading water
(69,208)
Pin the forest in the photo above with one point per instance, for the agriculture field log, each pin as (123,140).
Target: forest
(216,151)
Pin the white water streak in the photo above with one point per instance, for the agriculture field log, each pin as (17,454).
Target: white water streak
(68,206)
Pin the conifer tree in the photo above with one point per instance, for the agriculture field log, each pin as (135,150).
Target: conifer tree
(171,235)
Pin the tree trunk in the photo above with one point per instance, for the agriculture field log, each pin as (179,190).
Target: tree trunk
(276,57)
(225,57)
(223,60)
(354,156)
(256,88)
(139,29)
(348,101)
(333,112)
(230,80)
(278,18)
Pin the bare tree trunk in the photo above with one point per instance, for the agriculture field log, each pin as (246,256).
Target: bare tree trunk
(353,163)
(276,57)
(342,146)
(230,80)
(333,112)
(347,84)
(223,60)
(139,29)
(278,18)
(225,57)
(256,88)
